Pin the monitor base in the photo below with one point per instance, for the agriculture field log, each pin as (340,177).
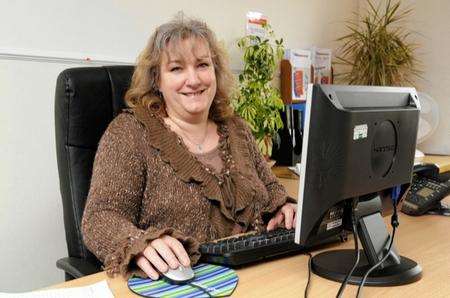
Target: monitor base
(335,265)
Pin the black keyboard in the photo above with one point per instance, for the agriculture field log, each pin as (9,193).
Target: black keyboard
(250,248)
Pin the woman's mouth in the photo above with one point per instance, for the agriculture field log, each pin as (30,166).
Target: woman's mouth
(191,94)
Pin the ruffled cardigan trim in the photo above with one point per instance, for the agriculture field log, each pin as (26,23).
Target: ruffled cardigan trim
(122,260)
(233,189)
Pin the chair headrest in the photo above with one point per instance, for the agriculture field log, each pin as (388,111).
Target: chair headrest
(87,99)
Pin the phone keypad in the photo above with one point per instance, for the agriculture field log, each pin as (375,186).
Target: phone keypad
(424,192)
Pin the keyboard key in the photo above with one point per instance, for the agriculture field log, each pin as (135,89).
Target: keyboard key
(252,247)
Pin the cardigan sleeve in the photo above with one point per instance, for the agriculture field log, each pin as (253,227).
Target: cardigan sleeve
(277,193)
(110,220)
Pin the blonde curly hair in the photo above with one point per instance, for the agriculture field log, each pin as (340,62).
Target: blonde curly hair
(144,90)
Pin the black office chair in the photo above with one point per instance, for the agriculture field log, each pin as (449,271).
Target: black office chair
(86,100)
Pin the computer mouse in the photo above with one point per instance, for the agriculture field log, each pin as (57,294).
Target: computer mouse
(181,275)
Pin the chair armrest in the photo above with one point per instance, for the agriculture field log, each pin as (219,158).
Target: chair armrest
(77,267)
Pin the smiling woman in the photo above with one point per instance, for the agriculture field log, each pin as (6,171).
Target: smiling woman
(178,168)
(174,40)
(188,86)
(188,81)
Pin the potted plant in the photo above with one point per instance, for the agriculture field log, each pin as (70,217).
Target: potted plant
(376,51)
(257,100)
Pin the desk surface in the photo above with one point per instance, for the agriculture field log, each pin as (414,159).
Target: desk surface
(424,239)
(442,161)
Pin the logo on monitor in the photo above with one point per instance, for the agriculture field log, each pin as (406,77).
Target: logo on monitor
(386,148)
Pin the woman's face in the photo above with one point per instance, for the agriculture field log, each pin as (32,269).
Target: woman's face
(187,79)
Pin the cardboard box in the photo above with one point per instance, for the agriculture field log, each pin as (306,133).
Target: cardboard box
(300,61)
(321,62)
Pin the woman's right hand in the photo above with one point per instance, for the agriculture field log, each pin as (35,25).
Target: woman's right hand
(160,255)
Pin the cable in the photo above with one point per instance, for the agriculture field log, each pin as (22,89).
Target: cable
(394,223)
(206,291)
(361,285)
(309,274)
(349,274)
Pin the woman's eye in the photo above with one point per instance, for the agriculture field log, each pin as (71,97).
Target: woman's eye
(175,68)
(203,65)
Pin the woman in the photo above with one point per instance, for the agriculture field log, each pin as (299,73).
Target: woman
(178,168)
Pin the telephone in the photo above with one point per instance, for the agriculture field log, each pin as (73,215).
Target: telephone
(426,192)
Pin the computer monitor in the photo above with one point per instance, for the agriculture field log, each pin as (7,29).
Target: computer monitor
(358,142)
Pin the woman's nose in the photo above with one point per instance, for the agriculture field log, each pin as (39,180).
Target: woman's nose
(193,78)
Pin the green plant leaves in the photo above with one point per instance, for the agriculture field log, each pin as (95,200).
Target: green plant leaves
(257,101)
(377,51)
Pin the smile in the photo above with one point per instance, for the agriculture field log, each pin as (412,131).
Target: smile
(193,93)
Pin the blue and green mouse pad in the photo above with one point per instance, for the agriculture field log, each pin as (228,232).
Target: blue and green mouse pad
(218,281)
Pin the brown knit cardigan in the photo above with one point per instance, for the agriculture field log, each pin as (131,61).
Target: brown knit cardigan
(145,184)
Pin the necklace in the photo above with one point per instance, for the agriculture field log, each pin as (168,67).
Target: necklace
(184,135)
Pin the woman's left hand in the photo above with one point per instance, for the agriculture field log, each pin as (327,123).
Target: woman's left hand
(286,214)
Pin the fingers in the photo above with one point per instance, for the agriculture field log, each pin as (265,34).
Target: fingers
(275,221)
(145,265)
(288,212)
(178,249)
(271,224)
(165,252)
(161,254)
(154,258)
(171,251)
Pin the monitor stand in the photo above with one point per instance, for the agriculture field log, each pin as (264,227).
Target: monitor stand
(375,239)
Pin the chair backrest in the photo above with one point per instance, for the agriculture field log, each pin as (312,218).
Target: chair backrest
(86,100)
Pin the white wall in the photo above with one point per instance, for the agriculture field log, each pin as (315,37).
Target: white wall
(430,24)
(31,226)
(431,20)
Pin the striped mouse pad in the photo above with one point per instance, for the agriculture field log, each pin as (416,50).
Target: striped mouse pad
(218,281)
